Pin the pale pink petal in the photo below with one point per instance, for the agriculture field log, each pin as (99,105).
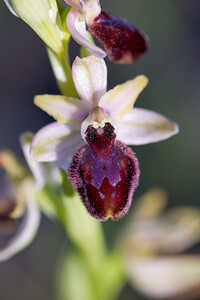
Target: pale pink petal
(26,232)
(120,99)
(69,2)
(77,26)
(90,78)
(142,126)
(54,142)
(64,109)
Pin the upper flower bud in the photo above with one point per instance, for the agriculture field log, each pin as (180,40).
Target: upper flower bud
(123,42)
(43,17)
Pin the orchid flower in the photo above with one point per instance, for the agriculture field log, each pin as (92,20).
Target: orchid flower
(159,248)
(17,199)
(123,42)
(94,122)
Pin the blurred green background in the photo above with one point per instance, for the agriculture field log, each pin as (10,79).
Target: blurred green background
(173,67)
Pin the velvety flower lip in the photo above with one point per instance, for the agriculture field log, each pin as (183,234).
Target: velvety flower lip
(134,126)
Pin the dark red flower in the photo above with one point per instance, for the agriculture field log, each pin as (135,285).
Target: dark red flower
(105,172)
(123,42)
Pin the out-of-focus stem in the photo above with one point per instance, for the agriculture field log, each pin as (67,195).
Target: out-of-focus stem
(100,271)
(62,72)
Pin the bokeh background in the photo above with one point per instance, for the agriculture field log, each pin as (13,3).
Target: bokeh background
(173,67)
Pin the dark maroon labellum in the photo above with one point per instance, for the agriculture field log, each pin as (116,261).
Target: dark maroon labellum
(105,173)
(123,42)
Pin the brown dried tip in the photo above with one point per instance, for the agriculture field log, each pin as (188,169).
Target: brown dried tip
(123,42)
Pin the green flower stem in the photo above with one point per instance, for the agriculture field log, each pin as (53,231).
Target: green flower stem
(49,202)
(89,270)
(84,231)
(60,61)
(77,280)
(62,72)
(100,270)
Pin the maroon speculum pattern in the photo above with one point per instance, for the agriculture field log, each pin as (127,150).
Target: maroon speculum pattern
(105,173)
(123,42)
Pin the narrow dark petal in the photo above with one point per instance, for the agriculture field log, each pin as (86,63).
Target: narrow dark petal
(105,182)
(123,42)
